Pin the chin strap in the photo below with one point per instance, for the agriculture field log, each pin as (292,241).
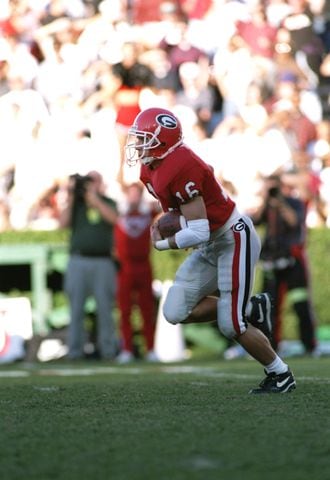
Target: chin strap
(148,160)
(170,150)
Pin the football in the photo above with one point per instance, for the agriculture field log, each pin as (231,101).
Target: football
(170,222)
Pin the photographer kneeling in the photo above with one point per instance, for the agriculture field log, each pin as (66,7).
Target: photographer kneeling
(284,259)
(91,270)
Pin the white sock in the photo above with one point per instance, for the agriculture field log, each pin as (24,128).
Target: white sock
(277,366)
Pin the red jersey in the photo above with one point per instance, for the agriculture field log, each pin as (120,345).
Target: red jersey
(132,235)
(126,113)
(181,176)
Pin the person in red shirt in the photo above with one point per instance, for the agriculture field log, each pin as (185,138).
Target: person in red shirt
(257,33)
(225,244)
(131,77)
(133,247)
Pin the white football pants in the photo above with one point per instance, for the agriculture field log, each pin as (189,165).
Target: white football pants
(227,263)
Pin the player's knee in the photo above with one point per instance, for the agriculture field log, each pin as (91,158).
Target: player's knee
(174,308)
(227,326)
(228,330)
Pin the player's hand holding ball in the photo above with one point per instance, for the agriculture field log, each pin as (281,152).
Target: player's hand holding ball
(155,233)
(165,227)
(170,223)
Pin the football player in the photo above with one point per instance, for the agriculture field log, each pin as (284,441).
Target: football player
(225,244)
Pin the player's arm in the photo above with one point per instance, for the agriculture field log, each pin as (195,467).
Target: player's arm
(194,210)
(196,232)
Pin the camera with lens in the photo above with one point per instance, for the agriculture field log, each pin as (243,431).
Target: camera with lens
(80,185)
(274,192)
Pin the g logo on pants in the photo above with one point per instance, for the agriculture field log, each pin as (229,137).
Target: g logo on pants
(239,227)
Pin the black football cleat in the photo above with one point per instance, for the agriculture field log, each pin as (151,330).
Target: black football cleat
(276,383)
(260,316)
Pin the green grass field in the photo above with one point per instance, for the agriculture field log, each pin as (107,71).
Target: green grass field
(191,420)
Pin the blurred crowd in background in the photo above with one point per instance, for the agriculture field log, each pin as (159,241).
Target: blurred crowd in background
(249,80)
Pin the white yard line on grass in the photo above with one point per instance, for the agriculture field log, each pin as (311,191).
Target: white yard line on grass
(168,369)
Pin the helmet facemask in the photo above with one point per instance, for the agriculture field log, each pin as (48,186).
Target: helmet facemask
(139,144)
